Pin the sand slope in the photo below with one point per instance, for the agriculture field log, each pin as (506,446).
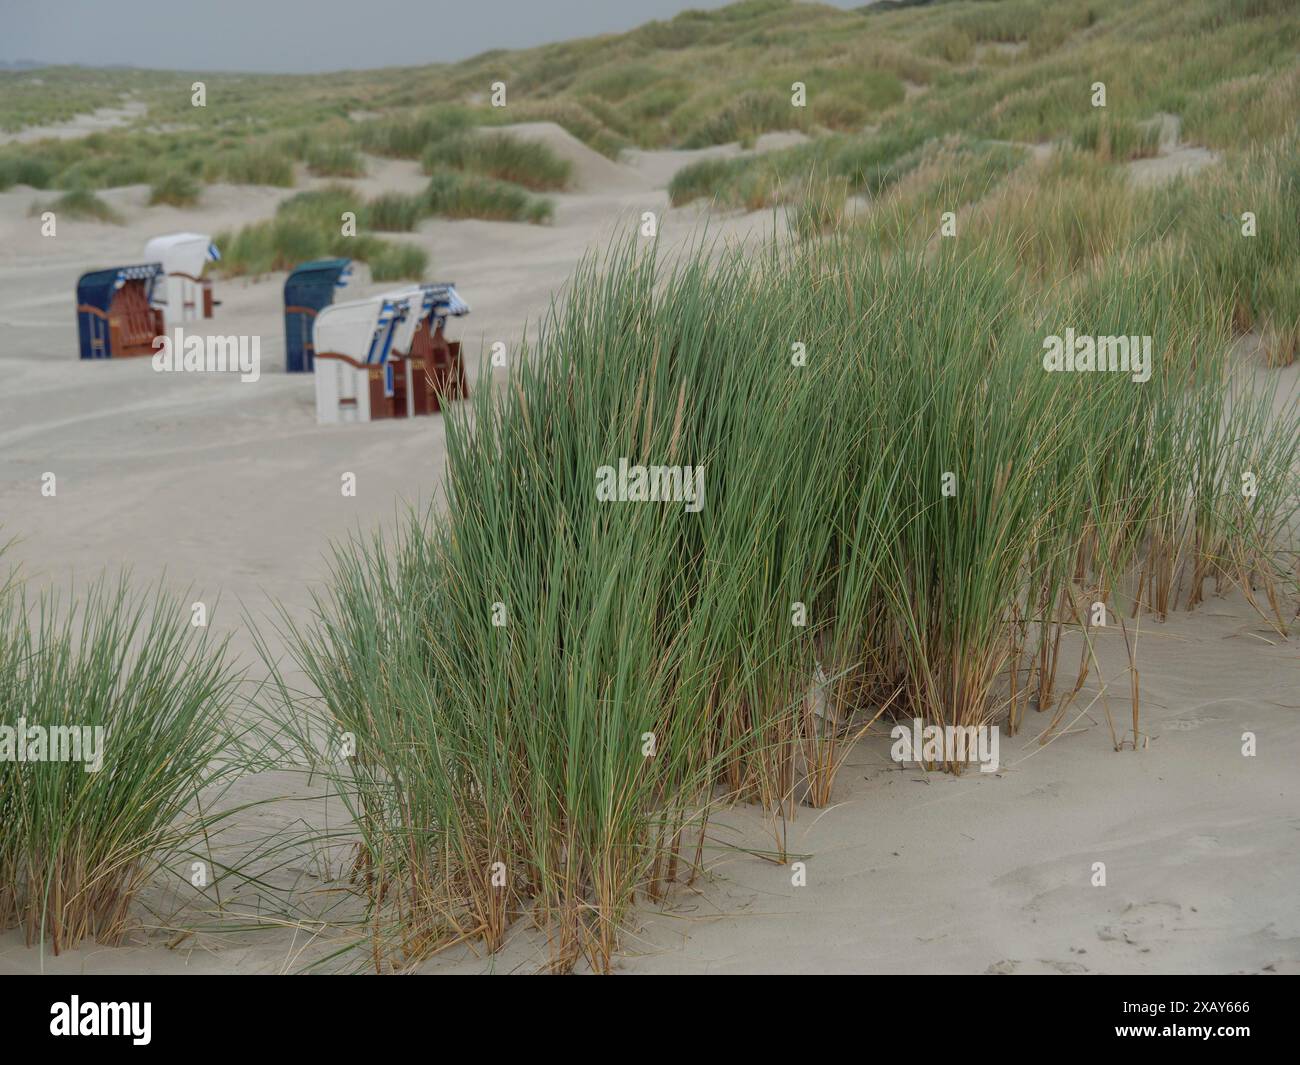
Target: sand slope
(233,489)
(592,172)
(97,121)
(917,873)
(233,486)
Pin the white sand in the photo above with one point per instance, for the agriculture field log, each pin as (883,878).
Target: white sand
(97,121)
(234,489)
(228,486)
(1173,159)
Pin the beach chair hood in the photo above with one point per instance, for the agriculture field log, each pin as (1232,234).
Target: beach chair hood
(97,288)
(363,330)
(182,253)
(434,303)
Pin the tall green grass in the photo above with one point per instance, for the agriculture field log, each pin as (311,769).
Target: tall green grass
(503,157)
(78,846)
(409,137)
(18,169)
(309,226)
(1118,139)
(452,194)
(335,160)
(175,188)
(751,114)
(257,164)
(395,212)
(551,693)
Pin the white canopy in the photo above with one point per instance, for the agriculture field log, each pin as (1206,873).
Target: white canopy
(361,329)
(181,253)
(423,301)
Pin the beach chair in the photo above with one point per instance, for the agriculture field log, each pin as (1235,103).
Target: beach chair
(184,294)
(307,291)
(356,380)
(430,364)
(116,316)
(388,356)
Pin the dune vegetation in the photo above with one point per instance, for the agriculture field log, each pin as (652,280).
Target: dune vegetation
(177,189)
(79,203)
(502,157)
(906,523)
(880,82)
(142,696)
(309,226)
(903,513)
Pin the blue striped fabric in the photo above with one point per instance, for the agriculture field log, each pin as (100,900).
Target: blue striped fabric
(444,300)
(381,342)
(144,272)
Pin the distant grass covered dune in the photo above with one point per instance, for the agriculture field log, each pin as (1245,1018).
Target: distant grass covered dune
(1231,78)
(885,81)
(79,203)
(501,156)
(309,226)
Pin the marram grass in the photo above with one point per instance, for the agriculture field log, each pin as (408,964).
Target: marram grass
(550,693)
(78,845)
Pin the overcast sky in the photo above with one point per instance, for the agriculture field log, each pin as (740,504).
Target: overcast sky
(298,36)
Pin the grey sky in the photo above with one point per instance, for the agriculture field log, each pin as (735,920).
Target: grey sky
(298,36)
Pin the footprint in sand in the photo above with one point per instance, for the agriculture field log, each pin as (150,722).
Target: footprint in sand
(1070,968)
(1142,923)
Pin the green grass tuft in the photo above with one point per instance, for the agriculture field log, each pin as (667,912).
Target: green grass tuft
(78,846)
(176,188)
(501,156)
(452,194)
(79,203)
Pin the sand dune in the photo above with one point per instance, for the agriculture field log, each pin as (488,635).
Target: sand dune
(917,873)
(591,170)
(79,126)
(234,490)
(233,486)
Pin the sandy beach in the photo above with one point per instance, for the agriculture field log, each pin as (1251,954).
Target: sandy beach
(232,489)
(1105,837)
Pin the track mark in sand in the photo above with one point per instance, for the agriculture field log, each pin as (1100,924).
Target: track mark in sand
(1189,722)
(164,404)
(1142,924)
(1070,968)
(1002,968)
(1037,888)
